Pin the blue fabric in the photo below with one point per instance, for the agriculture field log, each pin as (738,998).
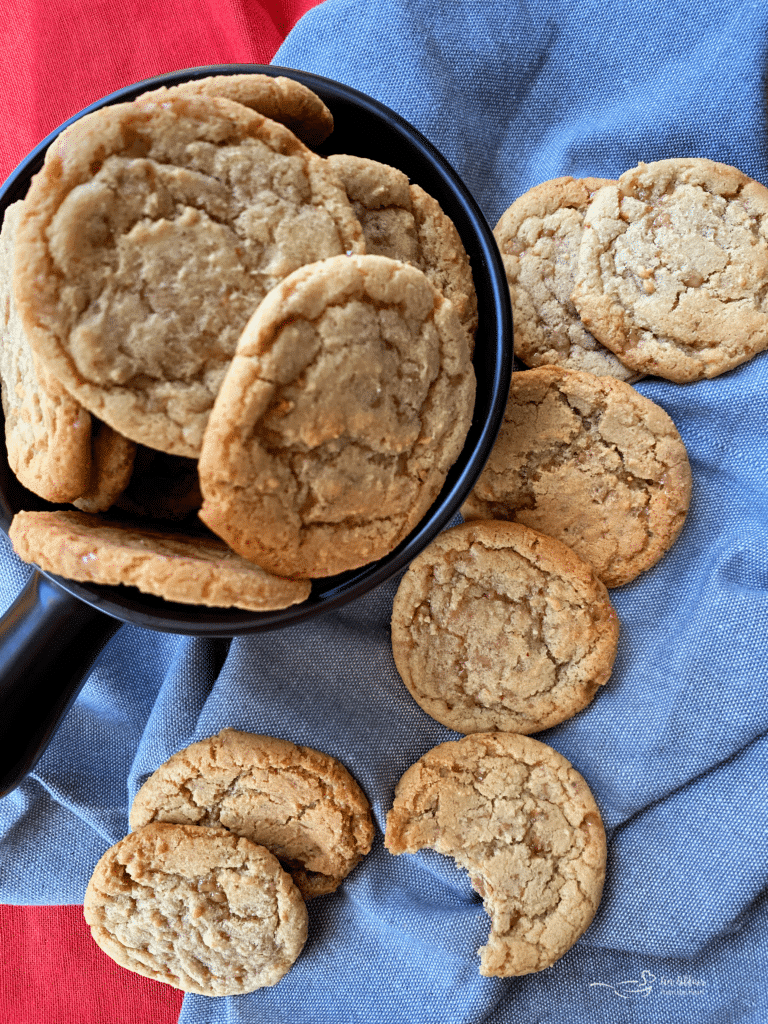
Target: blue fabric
(674,747)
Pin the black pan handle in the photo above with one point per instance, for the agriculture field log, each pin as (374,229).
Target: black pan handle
(49,639)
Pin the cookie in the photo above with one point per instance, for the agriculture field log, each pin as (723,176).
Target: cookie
(200,909)
(281,99)
(403,222)
(591,462)
(149,237)
(301,804)
(191,570)
(539,237)
(47,432)
(498,627)
(112,463)
(673,268)
(522,821)
(347,402)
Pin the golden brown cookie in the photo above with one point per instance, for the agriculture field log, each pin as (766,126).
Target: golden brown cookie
(149,237)
(281,99)
(403,222)
(539,237)
(200,909)
(348,400)
(673,268)
(518,817)
(590,461)
(112,463)
(498,627)
(192,570)
(301,804)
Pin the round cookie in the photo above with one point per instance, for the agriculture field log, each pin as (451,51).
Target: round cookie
(301,804)
(347,402)
(591,462)
(518,817)
(112,463)
(200,909)
(673,268)
(498,627)
(147,240)
(403,222)
(191,570)
(539,237)
(281,99)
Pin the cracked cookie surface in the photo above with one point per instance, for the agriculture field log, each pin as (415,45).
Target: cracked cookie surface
(403,222)
(673,268)
(301,804)
(497,627)
(347,402)
(147,240)
(539,237)
(191,570)
(200,909)
(591,462)
(523,823)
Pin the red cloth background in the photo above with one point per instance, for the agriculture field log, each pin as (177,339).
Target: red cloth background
(56,57)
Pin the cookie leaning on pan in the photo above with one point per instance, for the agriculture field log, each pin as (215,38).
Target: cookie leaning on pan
(521,820)
(673,268)
(539,237)
(301,804)
(590,461)
(498,627)
(348,400)
(147,240)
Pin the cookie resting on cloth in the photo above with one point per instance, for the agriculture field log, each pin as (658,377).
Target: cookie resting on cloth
(498,627)
(147,240)
(348,400)
(403,222)
(191,570)
(280,99)
(301,804)
(200,909)
(539,237)
(673,268)
(590,461)
(521,820)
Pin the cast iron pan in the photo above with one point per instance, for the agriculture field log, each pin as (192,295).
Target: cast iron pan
(54,632)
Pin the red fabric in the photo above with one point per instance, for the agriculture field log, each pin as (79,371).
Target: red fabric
(56,57)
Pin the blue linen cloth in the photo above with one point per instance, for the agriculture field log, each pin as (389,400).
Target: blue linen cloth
(674,746)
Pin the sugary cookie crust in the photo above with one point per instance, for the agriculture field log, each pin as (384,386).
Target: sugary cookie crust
(199,909)
(348,400)
(497,627)
(147,241)
(539,237)
(301,804)
(590,461)
(281,99)
(518,817)
(673,268)
(191,570)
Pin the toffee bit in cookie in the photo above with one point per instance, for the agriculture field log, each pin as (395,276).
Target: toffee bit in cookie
(498,627)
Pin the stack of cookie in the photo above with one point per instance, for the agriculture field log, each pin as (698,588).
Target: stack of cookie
(292,335)
(229,838)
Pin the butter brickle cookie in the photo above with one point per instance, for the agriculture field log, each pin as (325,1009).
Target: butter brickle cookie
(590,461)
(539,237)
(673,268)
(302,804)
(497,627)
(347,402)
(281,99)
(147,240)
(403,222)
(200,909)
(522,821)
(191,570)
